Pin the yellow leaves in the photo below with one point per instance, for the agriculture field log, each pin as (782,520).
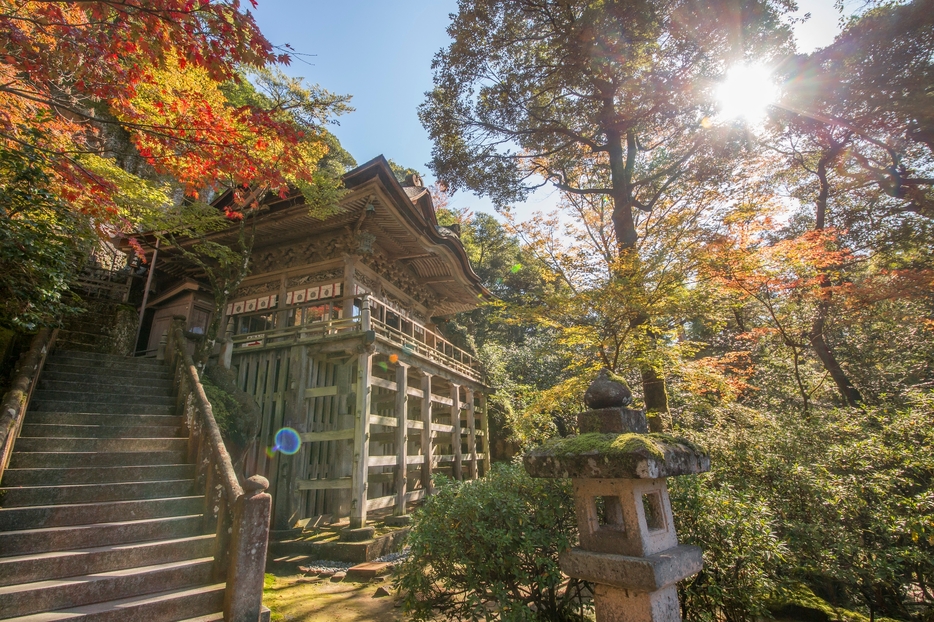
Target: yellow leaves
(138,200)
(190,129)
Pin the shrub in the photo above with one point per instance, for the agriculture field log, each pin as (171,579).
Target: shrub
(849,491)
(488,550)
(235,412)
(742,553)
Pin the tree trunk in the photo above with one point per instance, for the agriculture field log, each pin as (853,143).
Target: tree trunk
(621,170)
(656,399)
(851,396)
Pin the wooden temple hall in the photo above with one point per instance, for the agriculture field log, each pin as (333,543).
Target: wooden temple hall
(336,335)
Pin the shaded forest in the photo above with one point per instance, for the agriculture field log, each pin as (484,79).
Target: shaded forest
(764,285)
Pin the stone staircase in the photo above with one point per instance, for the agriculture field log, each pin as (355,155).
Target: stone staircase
(99,518)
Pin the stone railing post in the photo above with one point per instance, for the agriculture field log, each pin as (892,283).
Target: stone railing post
(246,560)
(628,545)
(15,401)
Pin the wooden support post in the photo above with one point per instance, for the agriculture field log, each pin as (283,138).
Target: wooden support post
(361,448)
(285,512)
(345,449)
(350,262)
(456,435)
(487,441)
(427,449)
(300,417)
(471,433)
(402,436)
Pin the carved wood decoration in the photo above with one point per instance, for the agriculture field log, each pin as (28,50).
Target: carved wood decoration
(319,248)
(326,247)
(269,287)
(400,276)
(317,277)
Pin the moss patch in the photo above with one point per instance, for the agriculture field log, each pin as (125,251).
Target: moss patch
(801,603)
(615,444)
(296,598)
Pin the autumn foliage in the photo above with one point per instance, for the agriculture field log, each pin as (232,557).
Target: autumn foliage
(73,71)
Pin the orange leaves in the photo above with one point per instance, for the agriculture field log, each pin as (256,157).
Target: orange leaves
(156,65)
(747,262)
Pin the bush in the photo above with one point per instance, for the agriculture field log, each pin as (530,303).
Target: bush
(742,553)
(488,550)
(235,412)
(850,493)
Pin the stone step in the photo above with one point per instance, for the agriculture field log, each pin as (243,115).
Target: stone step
(105,359)
(54,430)
(107,408)
(162,607)
(79,372)
(37,459)
(102,385)
(79,341)
(65,515)
(44,540)
(28,598)
(213,617)
(61,564)
(98,419)
(91,493)
(97,475)
(52,444)
(111,396)
(89,324)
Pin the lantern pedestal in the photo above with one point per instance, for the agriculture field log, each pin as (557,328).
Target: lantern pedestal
(628,545)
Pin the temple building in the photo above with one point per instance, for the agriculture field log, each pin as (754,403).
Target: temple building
(336,333)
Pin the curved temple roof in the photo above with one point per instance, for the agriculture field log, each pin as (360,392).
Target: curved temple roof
(401,220)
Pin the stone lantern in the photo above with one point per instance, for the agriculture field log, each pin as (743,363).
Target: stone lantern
(628,545)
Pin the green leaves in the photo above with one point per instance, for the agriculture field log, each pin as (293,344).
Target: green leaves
(41,240)
(488,550)
(840,501)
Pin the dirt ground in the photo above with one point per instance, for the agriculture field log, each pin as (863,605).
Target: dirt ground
(294,598)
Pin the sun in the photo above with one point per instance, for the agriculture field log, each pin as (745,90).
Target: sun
(746,93)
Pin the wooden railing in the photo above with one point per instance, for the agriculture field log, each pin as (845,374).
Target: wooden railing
(424,343)
(239,515)
(16,400)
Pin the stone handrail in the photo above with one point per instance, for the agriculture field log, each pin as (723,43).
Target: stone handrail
(239,515)
(16,400)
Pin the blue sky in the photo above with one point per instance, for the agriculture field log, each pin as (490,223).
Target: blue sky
(380,52)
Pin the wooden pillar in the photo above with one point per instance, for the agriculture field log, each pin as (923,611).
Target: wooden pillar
(456,435)
(487,441)
(281,307)
(471,433)
(361,448)
(285,510)
(427,449)
(346,419)
(300,418)
(350,261)
(402,435)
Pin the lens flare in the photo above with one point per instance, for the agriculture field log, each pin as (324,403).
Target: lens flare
(382,365)
(516,268)
(393,358)
(288,442)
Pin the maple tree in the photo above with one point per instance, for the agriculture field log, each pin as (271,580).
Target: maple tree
(186,83)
